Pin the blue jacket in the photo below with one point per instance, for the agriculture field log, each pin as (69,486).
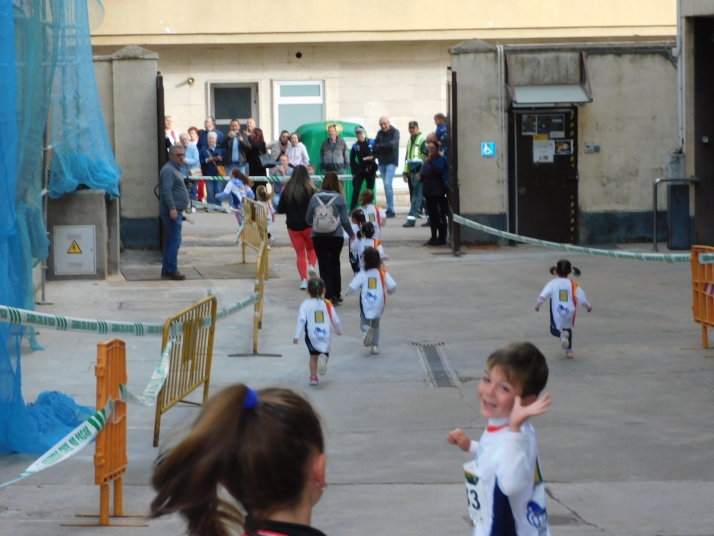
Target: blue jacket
(209,168)
(203,139)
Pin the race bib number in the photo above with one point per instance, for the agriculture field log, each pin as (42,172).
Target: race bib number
(475,496)
(319,317)
(563,295)
(372,283)
(372,218)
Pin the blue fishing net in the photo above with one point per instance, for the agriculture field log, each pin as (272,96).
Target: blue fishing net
(34,34)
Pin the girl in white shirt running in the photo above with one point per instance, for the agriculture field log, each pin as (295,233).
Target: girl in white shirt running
(315,319)
(374,283)
(564,294)
(367,240)
(372,212)
(358,220)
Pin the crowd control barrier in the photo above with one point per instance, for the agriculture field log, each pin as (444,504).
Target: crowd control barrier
(703,290)
(191,354)
(255,230)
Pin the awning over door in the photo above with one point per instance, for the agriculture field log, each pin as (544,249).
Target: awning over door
(549,95)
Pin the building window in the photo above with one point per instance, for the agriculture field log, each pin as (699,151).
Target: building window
(297,103)
(233,101)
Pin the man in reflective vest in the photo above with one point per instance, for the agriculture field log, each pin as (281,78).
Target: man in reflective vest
(412,166)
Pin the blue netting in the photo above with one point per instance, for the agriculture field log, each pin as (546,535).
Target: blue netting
(32,35)
(82,153)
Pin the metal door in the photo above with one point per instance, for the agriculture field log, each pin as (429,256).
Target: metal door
(544,179)
(452,152)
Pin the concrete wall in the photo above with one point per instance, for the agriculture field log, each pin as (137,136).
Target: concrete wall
(633,118)
(127,91)
(697,8)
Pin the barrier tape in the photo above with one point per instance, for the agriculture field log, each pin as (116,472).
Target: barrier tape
(226,311)
(708,289)
(158,377)
(706,258)
(660,257)
(260,178)
(69,445)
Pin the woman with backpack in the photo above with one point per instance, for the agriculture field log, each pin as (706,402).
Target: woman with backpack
(327,215)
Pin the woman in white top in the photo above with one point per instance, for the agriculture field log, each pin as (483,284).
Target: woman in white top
(297,153)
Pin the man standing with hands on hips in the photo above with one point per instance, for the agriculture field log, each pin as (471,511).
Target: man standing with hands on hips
(386,150)
(173,200)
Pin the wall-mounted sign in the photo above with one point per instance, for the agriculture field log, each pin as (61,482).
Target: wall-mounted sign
(488,149)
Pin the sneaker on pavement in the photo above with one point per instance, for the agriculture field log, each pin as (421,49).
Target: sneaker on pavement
(564,343)
(431,242)
(569,354)
(303,285)
(391,214)
(427,223)
(410,223)
(322,364)
(314,380)
(369,337)
(311,271)
(375,349)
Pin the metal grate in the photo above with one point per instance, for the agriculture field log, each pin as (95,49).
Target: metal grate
(436,364)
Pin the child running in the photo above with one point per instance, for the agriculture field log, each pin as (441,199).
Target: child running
(372,212)
(367,240)
(358,220)
(564,294)
(238,187)
(261,193)
(504,485)
(374,283)
(316,315)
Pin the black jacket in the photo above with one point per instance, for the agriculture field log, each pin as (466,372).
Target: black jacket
(227,146)
(294,212)
(253,155)
(432,177)
(386,146)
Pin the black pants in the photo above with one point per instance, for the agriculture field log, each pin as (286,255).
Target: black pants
(357,181)
(433,204)
(328,249)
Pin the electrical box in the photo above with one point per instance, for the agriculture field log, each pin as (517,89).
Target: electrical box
(75,250)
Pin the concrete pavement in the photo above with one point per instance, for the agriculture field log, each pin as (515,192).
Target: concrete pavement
(625,448)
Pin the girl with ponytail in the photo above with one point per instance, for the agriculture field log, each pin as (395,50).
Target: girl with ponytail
(264,448)
(317,318)
(564,294)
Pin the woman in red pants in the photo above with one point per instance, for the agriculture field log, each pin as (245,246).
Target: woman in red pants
(294,200)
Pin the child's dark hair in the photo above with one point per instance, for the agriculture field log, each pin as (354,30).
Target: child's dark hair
(236,173)
(366,197)
(563,268)
(261,455)
(368,229)
(315,287)
(371,258)
(359,218)
(523,364)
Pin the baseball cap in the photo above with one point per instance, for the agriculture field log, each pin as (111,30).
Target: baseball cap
(359,129)
(413,124)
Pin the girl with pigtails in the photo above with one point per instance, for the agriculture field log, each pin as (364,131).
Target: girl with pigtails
(263,448)
(564,295)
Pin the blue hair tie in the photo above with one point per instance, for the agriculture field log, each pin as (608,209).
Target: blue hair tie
(251,399)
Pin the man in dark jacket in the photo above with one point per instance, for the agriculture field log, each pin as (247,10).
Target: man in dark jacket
(386,149)
(362,165)
(333,153)
(174,199)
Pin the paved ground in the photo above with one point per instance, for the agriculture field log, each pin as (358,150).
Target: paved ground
(626,447)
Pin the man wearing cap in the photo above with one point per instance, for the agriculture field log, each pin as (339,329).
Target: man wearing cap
(333,153)
(362,164)
(412,166)
(386,149)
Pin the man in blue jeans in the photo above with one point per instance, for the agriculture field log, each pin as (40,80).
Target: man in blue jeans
(173,200)
(386,150)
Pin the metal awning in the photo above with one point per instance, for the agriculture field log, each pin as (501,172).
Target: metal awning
(550,95)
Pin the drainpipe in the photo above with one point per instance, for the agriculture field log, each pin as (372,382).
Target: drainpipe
(680,75)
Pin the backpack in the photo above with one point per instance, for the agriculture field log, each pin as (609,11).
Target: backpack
(324,220)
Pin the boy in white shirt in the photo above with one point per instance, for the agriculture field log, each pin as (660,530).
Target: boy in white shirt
(504,485)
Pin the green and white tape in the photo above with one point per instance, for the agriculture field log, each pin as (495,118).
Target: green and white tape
(151,392)
(226,311)
(657,257)
(69,445)
(272,178)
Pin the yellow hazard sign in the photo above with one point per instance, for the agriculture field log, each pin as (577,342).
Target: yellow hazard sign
(74,248)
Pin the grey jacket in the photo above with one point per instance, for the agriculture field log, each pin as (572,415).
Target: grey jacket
(174,193)
(339,206)
(337,159)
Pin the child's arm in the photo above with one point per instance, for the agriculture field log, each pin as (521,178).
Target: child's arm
(226,191)
(336,321)
(544,295)
(382,217)
(459,438)
(391,284)
(356,284)
(302,318)
(354,244)
(382,256)
(583,299)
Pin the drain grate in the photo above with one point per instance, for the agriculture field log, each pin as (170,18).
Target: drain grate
(435,363)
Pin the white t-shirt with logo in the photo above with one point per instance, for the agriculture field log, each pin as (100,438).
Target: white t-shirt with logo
(376,215)
(357,247)
(373,296)
(315,318)
(564,295)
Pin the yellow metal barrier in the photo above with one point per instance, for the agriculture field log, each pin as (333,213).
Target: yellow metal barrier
(255,236)
(191,353)
(703,292)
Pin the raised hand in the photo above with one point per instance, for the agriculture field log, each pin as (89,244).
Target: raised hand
(459,438)
(521,413)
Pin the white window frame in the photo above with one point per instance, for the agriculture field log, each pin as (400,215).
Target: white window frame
(254,108)
(278,100)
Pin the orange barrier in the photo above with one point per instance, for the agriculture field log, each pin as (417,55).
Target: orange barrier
(703,295)
(191,354)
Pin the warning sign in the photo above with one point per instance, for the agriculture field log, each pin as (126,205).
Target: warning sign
(74,248)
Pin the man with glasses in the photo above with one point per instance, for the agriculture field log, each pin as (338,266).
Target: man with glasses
(173,200)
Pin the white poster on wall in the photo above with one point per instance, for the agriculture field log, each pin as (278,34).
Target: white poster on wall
(543,151)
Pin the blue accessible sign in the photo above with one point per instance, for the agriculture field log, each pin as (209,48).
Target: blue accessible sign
(488,149)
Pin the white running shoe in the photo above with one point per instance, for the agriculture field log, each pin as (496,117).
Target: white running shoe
(375,349)
(369,337)
(303,285)
(564,342)
(313,380)
(322,364)
(311,271)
